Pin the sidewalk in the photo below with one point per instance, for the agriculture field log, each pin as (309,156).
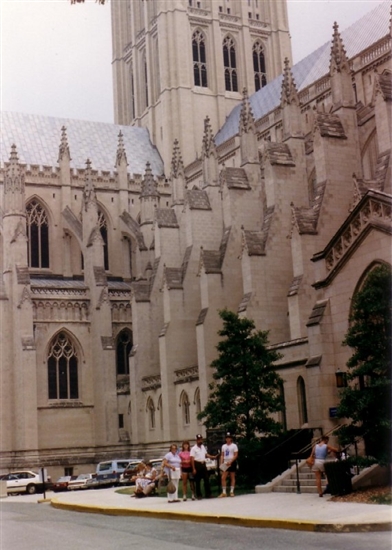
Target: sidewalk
(304,512)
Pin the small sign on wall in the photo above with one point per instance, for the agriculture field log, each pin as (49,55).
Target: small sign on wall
(333,412)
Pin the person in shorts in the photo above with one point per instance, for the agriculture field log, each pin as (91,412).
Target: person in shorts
(186,470)
(228,463)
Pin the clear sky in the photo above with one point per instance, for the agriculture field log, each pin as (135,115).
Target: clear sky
(56,57)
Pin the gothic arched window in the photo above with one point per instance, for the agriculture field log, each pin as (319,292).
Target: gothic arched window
(62,368)
(259,66)
(124,345)
(160,409)
(199,59)
(197,402)
(186,408)
(151,413)
(302,406)
(37,235)
(103,228)
(230,65)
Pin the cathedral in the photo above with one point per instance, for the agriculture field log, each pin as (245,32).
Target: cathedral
(230,179)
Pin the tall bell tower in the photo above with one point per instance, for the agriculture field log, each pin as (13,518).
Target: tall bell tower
(177,61)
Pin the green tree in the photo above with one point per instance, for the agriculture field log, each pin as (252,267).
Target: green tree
(366,401)
(246,389)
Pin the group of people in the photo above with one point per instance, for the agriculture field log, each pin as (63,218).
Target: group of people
(190,465)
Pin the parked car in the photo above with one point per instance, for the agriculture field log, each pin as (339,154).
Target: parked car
(25,481)
(62,483)
(108,472)
(130,471)
(80,482)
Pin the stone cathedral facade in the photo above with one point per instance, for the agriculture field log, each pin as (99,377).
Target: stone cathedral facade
(231,179)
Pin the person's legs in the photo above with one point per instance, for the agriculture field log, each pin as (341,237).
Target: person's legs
(184,485)
(317,473)
(198,480)
(224,477)
(207,488)
(232,483)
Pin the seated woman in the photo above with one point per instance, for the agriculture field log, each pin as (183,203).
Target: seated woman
(145,481)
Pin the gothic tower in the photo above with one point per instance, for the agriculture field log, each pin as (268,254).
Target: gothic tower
(177,61)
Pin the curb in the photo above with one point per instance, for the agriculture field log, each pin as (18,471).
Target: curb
(237,521)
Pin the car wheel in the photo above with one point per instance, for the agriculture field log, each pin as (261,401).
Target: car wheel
(30,489)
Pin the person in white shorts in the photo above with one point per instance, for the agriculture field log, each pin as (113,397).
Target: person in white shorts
(228,457)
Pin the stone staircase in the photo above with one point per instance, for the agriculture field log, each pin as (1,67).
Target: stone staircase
(307,480)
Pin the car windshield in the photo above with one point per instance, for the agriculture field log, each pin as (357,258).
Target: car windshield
(83,476)
(61,479)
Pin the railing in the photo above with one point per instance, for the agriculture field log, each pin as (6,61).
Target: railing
(275,460)
(302,453)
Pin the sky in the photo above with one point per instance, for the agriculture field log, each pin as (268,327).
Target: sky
(55,57)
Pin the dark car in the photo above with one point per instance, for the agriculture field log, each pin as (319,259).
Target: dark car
(130,472)
(62,483)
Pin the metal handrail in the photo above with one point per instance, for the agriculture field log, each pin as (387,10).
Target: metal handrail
(307,448)
(310,445)
(295,434)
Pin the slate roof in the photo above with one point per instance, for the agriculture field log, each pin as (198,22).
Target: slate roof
(317,313)
(279,153)
(37,139)
(198,200)
(307,217)
(235,178)
(330,125)
(256,240)
(166,217)
(356,38)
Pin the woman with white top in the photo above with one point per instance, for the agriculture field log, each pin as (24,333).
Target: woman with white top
(172,466)
(320,452)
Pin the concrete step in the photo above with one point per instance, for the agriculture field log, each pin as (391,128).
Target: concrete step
(302,482)
(302,476)
(285,489)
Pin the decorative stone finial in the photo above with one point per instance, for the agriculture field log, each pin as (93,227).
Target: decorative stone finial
(64,147)
(339,61)
(246,116)
(89,194)
(289,95)
(121,155)
(149,185)
(177,165)
(208,139)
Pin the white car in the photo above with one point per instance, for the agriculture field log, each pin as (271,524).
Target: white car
(80,482)
(25,481)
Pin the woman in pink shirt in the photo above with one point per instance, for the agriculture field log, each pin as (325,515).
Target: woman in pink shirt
(186,469)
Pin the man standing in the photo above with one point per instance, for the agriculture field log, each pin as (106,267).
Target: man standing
(228,464)
(198,460)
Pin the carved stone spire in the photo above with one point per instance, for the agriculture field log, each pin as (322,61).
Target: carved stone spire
(247,119)
(149,185)
(339,61)
(177,174)
(89,194)
(121,155)
(64,153)
(177,165)
(14,184)
(208,147)
(339,68)
(289,95)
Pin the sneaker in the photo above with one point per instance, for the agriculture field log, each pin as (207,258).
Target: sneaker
(184,498)
(193,497)
(231,494)
(223,495)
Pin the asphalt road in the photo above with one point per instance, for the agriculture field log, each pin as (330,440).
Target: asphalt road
(40,527)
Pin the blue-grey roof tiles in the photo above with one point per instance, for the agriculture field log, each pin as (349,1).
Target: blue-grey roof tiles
(356,38)
(37,139)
